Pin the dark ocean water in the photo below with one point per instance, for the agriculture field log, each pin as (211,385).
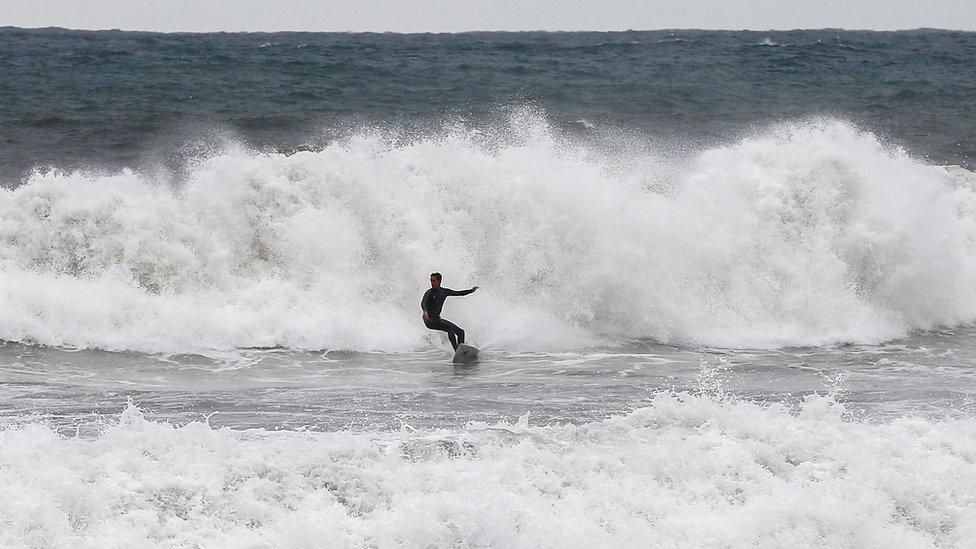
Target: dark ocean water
(107,99)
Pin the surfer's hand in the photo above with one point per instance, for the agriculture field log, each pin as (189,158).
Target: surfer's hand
(425,316)
(474,288)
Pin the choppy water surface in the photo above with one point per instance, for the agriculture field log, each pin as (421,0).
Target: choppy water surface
(929,374)
(872,444)
(75,99)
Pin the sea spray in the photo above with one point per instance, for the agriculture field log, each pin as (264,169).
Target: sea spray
(805,233)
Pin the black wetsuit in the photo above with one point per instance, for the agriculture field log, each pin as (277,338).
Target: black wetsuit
(432,303)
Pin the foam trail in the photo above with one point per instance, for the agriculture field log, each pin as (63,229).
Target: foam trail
(807,233)
(705,472)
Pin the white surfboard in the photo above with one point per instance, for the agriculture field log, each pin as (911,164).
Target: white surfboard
(465,353)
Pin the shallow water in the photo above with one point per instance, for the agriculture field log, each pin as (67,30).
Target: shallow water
(929,374)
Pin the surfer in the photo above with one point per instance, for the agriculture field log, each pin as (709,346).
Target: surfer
(433,302)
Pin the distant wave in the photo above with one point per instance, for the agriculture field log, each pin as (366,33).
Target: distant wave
(806,233)
(703,471)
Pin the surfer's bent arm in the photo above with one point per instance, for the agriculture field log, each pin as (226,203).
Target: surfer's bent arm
(425,303)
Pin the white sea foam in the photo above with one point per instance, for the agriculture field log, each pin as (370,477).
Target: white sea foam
(806,233)
(683,471)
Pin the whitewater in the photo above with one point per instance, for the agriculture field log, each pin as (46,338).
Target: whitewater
(804,233)
(684,471)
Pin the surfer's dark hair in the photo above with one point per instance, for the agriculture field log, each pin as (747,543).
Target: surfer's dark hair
(438,275)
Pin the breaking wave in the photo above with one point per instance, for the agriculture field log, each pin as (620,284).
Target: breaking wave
(805,233)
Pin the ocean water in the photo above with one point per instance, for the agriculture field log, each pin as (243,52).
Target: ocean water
(727,289)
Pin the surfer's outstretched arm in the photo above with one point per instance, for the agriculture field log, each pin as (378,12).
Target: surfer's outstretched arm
(460,292)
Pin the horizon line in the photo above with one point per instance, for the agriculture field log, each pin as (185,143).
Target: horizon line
(536,31)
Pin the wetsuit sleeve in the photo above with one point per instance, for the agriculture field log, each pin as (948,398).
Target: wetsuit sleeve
(458,292)
(425,302)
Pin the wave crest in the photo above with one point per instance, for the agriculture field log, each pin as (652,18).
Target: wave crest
(805,233)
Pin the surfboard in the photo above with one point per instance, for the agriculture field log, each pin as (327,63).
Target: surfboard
(465,353)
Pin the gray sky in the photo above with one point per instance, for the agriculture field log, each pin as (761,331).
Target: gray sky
(461,15)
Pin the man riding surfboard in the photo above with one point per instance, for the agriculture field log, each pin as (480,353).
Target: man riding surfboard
(433,302)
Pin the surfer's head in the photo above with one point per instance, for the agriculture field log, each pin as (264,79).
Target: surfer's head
(435,280)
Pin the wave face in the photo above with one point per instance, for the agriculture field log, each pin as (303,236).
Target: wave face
(705,472)
(804,233)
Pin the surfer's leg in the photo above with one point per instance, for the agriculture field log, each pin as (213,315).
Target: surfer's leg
(455,334)
(442,325)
